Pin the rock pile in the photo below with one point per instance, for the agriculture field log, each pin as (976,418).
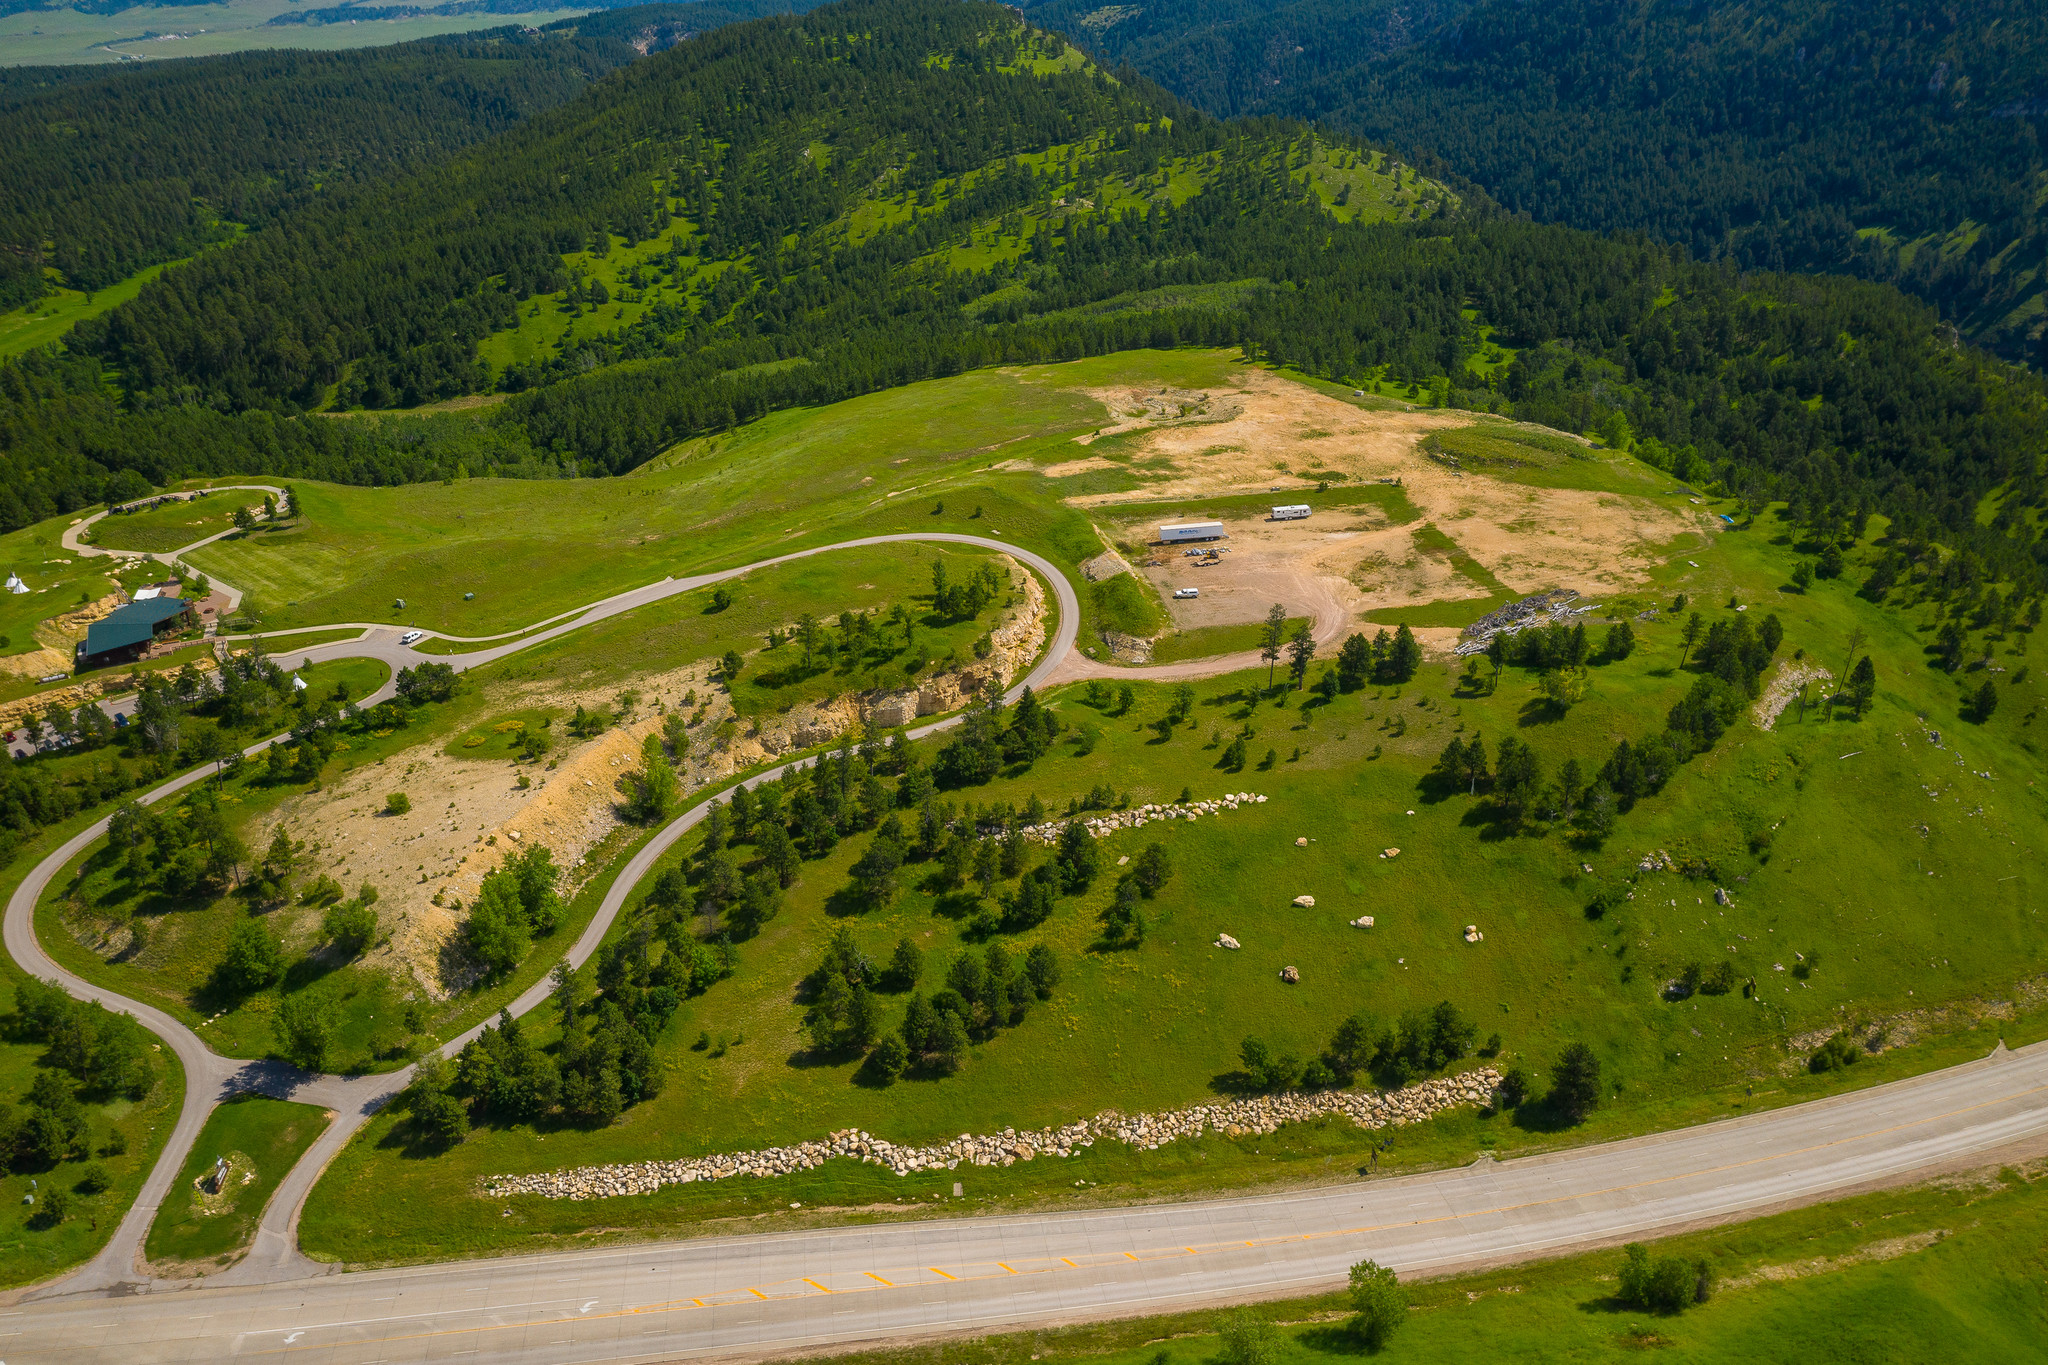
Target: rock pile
(1236,1118)
(1541,610)
(1102,826)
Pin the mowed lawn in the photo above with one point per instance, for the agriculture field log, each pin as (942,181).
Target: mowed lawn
(174,525)
(261,1139)
(1842,876)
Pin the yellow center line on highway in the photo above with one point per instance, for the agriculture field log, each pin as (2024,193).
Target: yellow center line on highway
(680,1305)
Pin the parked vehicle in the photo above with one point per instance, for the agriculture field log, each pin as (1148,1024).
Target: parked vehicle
(1187,592)
(412,637)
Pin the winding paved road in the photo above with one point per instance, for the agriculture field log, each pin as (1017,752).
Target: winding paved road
(781,1292)
(211,1078)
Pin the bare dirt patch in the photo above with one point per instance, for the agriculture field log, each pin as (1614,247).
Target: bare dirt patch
(1140,408)
(1270,434)
(468,814)
(1888,1250)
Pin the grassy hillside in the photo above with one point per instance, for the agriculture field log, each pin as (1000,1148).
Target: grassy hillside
(1839,840)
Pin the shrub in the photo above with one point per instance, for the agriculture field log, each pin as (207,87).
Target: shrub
(397,803)
(1514,1087)
(1667,1285)
(94,1179)
(1379,1301)
(1836,1053)
(1248,1339)
(253,959)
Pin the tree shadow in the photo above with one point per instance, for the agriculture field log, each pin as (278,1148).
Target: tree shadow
(847,902)
(1540,711)
(1493,821)
(1542,1116)
(1336,1339)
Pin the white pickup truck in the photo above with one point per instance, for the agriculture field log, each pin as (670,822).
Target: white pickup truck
(412,637)
(1183,593)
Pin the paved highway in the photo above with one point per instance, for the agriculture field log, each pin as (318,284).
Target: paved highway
(783,1292)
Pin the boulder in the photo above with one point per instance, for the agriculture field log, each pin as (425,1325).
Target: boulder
(1305,902)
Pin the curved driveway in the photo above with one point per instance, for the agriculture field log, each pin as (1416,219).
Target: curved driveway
(210,1078)
(70,538)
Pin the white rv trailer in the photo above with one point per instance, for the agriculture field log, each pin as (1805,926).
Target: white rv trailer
(1293,511)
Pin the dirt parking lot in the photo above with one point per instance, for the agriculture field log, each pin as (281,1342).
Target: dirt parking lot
(1272,437)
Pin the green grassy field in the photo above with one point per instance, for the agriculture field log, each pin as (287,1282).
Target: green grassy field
(48,319)
(1940,1272)
(29,1254)
(1825,855)
(689,629)
(1204,641)
(261,1139)
(56,578)
(173,525)
(915,458)
(1542,459)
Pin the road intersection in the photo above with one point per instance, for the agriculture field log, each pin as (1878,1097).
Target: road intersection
(784,1292)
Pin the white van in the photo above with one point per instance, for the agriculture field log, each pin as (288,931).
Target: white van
(1183,593)
(412,637)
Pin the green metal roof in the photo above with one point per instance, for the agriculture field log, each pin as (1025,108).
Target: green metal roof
(132,624)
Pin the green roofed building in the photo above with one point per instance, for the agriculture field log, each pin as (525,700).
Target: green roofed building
(128,631)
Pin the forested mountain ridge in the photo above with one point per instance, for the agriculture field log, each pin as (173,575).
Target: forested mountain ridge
(796,211)
(111,170)
(795,173)
(1900,142)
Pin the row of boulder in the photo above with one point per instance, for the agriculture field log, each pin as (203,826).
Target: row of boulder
(1234,1118)
(1102,826)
